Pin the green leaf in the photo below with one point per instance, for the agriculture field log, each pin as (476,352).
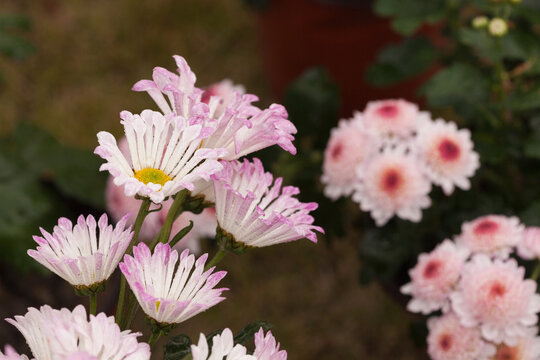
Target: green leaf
(396,63)
(531,215)
(15,47)
(410,14)
(516,44)
(247,333)
(525,101)
(177,347)
(15,21)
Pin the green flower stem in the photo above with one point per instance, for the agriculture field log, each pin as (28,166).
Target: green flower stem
(141,215)
(93,304)
(536,272)
(174,211)
(133,307)
(216,259)
(154,337)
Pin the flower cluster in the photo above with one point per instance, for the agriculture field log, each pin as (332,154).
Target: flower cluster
(389,156)
(489,308)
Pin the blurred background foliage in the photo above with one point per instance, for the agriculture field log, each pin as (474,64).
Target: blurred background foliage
(67,71)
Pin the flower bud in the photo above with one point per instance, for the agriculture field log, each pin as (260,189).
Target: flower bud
(480,22)
(498,27)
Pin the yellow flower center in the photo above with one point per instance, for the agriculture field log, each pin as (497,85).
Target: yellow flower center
(150,175)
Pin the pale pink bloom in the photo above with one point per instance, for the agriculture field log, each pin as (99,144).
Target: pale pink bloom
(165,155)
(169,288)
(241,127)
(222,347)
(393,183)
(449,340)
(266,347)
(391,117)
(10,354)
(493,295)
(529,247)
(527,348)
(80,254)
(257,212)
(226,91)
(448,154)
(495,235)
(349,146)
(65,334)
(434,277)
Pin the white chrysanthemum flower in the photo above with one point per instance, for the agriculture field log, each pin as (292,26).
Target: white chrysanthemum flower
(256,212)
(393,184)
(529,247)
(165,155)
(349,146)
(222,347)
(80,254)
(240,127)
(493,295)
(391,117)
(169,288)
(10,354)
(266,347)
(494,235)
(448,154)
(434,277)
(63,334)
(527,348)
(449,340)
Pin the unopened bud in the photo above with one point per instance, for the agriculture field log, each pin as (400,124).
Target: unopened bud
(480,22)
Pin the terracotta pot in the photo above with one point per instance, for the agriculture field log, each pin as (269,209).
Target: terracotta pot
(298,34)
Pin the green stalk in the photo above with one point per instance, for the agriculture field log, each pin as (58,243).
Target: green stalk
(174,211)
(141,215)
(536,272)
(154,337)
(216,259)
(93,304)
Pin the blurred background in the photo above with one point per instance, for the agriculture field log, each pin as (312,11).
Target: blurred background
(66,70)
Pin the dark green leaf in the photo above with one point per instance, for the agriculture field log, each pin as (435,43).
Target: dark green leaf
(15,21)
(247,333)
(177,347)
(180,235)
(410,14)
(15,47)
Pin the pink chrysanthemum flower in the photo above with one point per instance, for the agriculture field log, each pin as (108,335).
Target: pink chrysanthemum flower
(10,354)
(349,146)
(255,212)
(529,247)
(266,347)
(64,334)
(495,296)
(527,348)
(448,154)
(241,127)
(168,288)
(165,155)
(449,340)
(495,235)
(80,254)
(391,117)
(222,347)
(226,91)
(434,278)
(393,183)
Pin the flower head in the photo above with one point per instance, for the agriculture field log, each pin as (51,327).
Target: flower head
(349,146)
(266,347)
(449,340)
(392,183)
(494,295)
(527,348)
(165,155)
(222,347)
(169,288)
(391,117)
(257,213)
(434,278)
(64,334)
(448,154)
(226,91)
(491,234)
(529,247)
(80,254)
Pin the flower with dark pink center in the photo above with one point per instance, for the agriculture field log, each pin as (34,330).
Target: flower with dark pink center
(391,117)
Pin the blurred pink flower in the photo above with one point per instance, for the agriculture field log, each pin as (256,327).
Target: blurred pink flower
(391,117)
(529,247)
(266,347)
(10,354)
(527,348)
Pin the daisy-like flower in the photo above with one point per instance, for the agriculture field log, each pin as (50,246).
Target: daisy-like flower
(495,235)
(529,247)
(64,334)
(494,295)
(392,117)
(256,213)
(449,340)
(226,91)
(168,288)
(80,254)
(434,278)
(266,347)
(527,348)
(448,154)
(349,146)
(393,183)
(240,127)
(10,354)
(165,155)
(222,347)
